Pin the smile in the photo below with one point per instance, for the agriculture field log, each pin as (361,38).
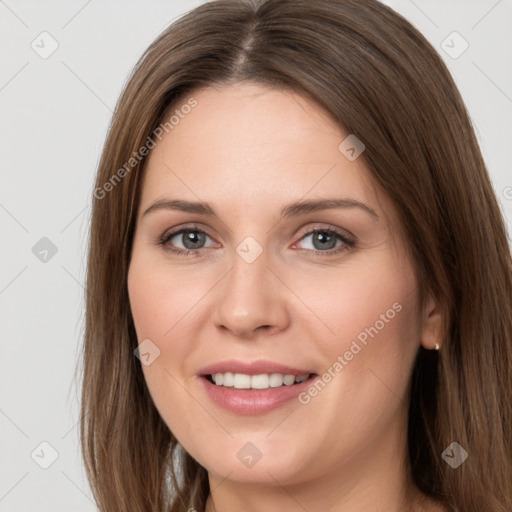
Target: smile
(262,381)
(253,387)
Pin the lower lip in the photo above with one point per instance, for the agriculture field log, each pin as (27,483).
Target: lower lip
(253,401)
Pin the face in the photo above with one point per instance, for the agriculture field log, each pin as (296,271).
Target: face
(270,294)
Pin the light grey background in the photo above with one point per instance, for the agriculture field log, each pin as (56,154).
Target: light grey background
(55,113)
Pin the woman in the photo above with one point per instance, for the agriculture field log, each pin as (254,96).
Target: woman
(231,359)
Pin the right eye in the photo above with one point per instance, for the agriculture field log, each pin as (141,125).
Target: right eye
(191,236)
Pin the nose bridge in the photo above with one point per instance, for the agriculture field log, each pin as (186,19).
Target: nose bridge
(251,295)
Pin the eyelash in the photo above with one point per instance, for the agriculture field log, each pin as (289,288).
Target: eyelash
(348,243)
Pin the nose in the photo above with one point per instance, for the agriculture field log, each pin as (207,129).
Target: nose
(251,299)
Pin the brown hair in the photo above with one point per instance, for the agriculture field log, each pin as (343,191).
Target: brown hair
(381,80)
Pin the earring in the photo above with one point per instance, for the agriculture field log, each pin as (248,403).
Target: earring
(437,347)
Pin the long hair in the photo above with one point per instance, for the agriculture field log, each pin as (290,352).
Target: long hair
(381,80)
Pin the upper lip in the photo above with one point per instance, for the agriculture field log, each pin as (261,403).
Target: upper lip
(251,368)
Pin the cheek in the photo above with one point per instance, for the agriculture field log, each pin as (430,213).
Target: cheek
(372,341)
(161,310)
(167,307)
(373,301)
(163,299)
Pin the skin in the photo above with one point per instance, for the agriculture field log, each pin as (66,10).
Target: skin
(248,150)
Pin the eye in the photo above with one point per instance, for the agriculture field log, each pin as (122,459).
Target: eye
(323,241)
(192,238)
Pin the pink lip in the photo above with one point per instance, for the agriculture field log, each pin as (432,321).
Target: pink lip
(253,401)
(251,368)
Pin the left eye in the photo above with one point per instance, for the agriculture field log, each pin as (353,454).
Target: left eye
(323,241)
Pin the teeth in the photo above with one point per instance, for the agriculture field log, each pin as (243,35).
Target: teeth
(301,378)
(262,381)
(289,379)
(227,380)
(276,380)
(242,381)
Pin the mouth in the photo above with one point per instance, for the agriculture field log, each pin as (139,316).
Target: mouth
(255,387)
(256,382)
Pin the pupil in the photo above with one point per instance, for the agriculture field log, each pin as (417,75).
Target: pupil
(325,237)
(190,236)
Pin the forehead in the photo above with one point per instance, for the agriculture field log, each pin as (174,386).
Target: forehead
(250,136)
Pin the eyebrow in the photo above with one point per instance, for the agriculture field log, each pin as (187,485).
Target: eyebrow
(294,209)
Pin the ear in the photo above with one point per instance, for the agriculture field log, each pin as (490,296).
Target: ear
(432,323)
